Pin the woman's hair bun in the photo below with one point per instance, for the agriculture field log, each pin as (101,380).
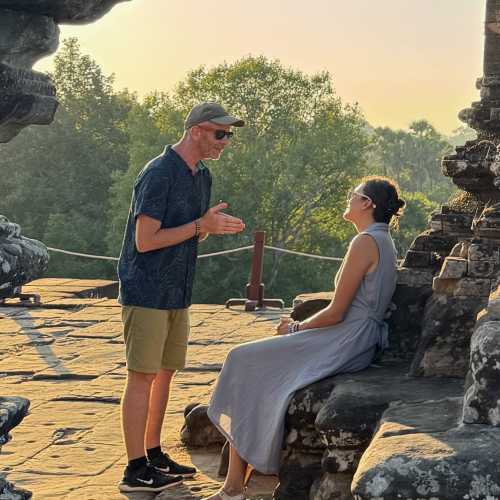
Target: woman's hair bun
(385,195)
(394,205)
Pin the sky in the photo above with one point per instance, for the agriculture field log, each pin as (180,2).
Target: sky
(400,60)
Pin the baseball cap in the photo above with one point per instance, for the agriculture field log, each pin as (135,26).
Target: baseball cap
(211,112)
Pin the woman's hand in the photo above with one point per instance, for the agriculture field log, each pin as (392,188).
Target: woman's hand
(282,328)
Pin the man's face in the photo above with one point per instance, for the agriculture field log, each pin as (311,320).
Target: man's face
(210,147)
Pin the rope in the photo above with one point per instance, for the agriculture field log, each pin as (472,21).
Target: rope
(224,252)
(203,256)
(86,255)
(302,254)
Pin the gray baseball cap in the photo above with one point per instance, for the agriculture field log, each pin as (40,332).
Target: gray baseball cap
(211,112)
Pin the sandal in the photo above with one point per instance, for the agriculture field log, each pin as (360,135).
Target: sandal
(222,495)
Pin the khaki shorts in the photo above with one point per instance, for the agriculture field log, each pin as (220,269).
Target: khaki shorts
(155,338)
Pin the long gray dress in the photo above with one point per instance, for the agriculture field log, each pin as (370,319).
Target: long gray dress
(259,378)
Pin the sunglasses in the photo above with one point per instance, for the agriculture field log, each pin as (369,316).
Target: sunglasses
(352,193)
(219,134)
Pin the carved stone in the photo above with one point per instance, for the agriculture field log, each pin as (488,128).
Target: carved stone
(21,259)
(64,11)
(29,31)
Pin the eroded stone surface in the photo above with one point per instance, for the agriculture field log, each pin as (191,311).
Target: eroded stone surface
(443,348)
(330,423)
(68,360)
(482,400)
(422,451)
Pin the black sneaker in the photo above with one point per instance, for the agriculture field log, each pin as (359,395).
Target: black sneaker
(147,478)
(166,465)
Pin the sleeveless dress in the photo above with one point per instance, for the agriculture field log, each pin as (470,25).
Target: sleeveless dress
(258,379)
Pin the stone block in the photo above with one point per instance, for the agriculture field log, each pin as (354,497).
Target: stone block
(494,304)
(458,223)
(198,430)
(444,286)
(481,268)
(420,452)
(332,486)
(414,258)
(296,476)
(447,326)
(305,306)
(453,268)
(460,250)
(414,277)
(482,402)
(481,251)
(405,322)
(345,423)
(441,243)
(436,225)
(473,287)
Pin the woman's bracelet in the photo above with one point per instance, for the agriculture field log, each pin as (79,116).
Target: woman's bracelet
(197,228)
(293,327)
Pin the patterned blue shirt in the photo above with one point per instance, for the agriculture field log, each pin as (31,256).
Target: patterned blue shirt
(165,190)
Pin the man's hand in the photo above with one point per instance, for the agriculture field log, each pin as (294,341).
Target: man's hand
(216,222)
(282,328)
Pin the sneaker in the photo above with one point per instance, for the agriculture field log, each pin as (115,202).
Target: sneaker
(147,478)
(166,465)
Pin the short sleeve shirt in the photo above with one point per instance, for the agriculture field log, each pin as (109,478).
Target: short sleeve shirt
(166,190)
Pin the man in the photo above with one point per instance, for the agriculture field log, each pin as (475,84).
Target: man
(168,215)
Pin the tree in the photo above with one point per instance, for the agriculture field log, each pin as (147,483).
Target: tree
(58,189)
(287,172)
(414,220)
(413,158)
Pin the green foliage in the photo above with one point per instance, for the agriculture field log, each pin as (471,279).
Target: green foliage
(416,217)
(286,172)
(413,158)
(59,176)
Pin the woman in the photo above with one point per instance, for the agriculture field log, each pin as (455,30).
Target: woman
(259,378)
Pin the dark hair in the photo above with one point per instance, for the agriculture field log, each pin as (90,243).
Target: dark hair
(384,193)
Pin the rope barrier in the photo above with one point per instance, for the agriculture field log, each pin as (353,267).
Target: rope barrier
(86,255)
(203,256)
(302,254)
(224,252)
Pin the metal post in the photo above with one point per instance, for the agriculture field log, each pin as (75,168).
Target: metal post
(255,289)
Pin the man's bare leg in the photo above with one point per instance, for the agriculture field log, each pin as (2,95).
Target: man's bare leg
(158,399)
(135,402)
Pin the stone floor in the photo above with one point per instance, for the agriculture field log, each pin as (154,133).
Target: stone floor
(67,358)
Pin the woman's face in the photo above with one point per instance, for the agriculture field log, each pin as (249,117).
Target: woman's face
(358,204)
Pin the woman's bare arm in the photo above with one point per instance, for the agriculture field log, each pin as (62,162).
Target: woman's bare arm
(361,258)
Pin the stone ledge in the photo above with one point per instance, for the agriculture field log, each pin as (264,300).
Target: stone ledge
(420,451)
(329,425)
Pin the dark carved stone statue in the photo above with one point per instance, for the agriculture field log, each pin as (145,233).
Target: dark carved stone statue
(21,259)
(29,31)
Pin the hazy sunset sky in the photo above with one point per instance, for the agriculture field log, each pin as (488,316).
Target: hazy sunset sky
(401,60)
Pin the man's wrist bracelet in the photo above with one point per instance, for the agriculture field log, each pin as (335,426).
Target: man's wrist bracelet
(293,327)
(197,228)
